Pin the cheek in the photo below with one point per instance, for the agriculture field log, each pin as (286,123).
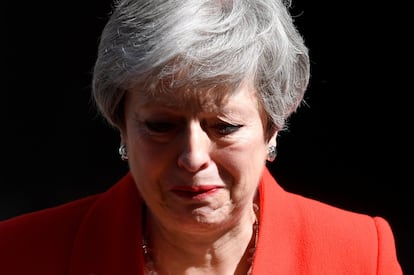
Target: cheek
(142,153)
(145,163)
(245,162)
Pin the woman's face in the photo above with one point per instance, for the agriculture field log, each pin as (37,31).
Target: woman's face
(195,159)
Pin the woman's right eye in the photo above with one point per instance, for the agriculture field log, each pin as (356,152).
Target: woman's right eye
(159,126)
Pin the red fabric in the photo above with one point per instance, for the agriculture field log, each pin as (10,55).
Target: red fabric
(101,235)
(303,236)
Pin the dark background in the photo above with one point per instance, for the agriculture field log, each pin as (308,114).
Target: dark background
(350,146)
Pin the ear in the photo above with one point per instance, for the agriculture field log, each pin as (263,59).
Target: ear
(272,140)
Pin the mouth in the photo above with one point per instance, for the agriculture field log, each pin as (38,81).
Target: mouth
(195,192)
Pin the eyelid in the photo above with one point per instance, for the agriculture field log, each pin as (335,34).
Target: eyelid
(160,126)
(225,128)
(153,125)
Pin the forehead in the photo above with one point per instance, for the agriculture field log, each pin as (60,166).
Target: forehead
(197,98)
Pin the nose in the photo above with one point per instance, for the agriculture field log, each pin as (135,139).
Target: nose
(195,151)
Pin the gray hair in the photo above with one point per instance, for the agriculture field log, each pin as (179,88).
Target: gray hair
(205,42)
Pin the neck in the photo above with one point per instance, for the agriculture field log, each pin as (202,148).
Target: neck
(181,253)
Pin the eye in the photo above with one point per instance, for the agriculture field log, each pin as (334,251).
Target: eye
(160,126)
(224,128)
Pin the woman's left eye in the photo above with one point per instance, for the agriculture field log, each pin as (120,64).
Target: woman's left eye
(225,128)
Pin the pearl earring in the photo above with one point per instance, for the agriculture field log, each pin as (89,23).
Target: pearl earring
(123,152)
(271,154)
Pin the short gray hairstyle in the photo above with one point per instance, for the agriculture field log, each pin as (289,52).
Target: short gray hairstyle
(215,42)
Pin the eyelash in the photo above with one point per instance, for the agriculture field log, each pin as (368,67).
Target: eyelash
(159,126)
(221,129)
(226,128)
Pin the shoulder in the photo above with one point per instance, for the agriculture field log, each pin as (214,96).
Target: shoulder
(340,223)
(47,219)
(27,240)
(313,213)
(353,239)
(44,242)
(41,232)
(61,219)
(329,236)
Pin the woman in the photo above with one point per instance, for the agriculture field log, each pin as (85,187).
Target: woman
(199,91)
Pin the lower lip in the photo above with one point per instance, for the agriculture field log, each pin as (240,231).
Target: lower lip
(195,195)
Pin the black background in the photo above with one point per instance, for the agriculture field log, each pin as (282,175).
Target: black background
(350,146)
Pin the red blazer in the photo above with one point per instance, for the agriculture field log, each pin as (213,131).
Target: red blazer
(101,235)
